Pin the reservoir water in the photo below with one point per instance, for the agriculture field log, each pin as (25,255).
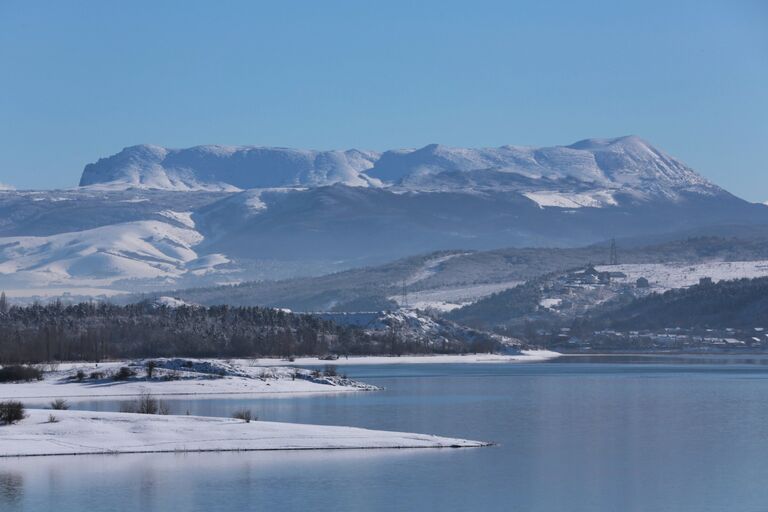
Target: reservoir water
(579,434)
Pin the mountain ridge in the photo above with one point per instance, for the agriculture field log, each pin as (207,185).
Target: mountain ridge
(612,164)
(150,218)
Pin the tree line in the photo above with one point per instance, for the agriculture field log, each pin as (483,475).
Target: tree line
(96,331)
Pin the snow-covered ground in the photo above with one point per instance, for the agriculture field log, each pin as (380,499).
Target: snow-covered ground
(174,377)
(86,432)
(665,276)
(527,356)
(555,199)
(449,298)
(429,268)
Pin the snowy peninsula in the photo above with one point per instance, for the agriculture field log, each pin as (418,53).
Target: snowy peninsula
(86,432)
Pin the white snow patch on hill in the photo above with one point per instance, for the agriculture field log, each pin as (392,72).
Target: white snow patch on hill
(550,302)
(596,199)
(430,268)
(666,276)
(171,302)
(453,297)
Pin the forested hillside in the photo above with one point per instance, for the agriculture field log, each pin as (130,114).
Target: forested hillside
(741,303)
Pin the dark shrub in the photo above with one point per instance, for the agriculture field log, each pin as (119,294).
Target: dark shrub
(59,404)
(19,373)
(96,375)
(80,375)
(172,375)
(145,404)
(330,370)
(244,414)
(124,373)
(11,412)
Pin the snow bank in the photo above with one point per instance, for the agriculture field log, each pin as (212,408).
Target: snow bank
(85,432)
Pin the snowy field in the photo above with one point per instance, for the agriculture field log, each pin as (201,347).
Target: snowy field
(447,299)
(665,276)
(86,432)
(209,377)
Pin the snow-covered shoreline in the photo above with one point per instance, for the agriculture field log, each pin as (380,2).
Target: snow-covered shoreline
(527,356)
(179,378)
(87,432)
(240,377)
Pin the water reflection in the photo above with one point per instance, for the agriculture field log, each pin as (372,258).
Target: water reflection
(11,487)
(668,359)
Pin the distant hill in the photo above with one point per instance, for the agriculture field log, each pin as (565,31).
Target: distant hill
(448,279)
(740,303)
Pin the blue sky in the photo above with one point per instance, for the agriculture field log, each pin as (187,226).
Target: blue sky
(81,80)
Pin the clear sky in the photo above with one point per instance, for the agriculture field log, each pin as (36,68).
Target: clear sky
(83,79)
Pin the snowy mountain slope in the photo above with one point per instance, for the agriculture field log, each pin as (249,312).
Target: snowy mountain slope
(227,168)
(50,212)
(373,225)
(103,256)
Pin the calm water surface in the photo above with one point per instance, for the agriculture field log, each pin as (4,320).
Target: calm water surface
(581,434)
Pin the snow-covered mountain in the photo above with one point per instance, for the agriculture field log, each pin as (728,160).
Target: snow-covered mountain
(587,173)
(227,168)
(602,167)
(152,218)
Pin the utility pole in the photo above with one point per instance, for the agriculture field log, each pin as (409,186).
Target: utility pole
(614,258)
